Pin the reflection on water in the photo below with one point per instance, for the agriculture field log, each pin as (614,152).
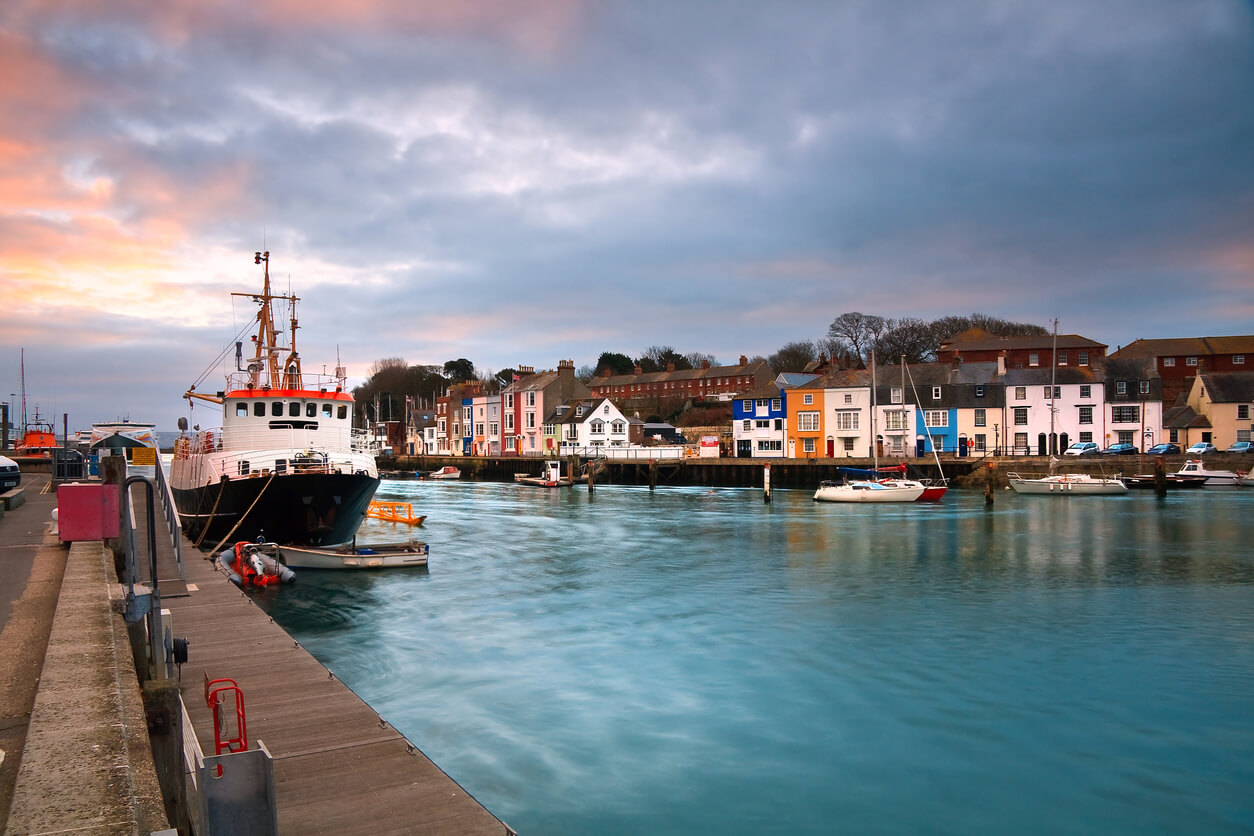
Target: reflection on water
(694,660)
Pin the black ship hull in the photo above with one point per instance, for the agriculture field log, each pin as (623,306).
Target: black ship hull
(299,509)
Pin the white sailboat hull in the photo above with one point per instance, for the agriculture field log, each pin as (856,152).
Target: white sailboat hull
(1068,484)
(862,491)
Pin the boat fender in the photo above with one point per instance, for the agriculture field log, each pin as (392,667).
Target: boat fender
(226,558)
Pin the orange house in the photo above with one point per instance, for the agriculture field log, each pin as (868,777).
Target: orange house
(804,407)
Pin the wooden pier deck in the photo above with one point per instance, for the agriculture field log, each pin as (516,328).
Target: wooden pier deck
(339,767)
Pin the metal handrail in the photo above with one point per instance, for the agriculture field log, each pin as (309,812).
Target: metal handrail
(166,494)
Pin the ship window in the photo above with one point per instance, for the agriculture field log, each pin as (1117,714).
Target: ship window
(293,409)
(311,410)
(276,408)
(343,412)
(280,466)
(326,410)
(241,410)
(259,409)
(243,468)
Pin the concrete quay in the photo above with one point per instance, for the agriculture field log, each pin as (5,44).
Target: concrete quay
(86,746)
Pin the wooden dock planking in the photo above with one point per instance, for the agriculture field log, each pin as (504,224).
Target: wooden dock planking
(339,768)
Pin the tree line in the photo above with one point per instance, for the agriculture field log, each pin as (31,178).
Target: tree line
(849,341)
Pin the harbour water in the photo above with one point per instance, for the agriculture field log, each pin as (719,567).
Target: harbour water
(696,661)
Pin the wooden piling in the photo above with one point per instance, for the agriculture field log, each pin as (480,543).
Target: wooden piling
(766,483)
(988,483)
(1160,477)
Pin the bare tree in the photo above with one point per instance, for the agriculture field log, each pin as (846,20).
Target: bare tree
(854,333)
(792,357)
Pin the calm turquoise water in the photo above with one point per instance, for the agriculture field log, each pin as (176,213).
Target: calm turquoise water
(695,661)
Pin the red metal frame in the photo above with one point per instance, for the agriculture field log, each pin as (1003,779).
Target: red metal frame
(216,693)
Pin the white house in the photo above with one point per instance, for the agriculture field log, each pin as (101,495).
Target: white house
(1068,402)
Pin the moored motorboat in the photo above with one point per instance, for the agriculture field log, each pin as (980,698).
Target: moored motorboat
(550,477)
(381,556)
(286,464)
(1196,467)
(446,472)
(1068,484)
(1173,480)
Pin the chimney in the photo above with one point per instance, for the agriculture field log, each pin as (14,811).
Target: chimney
(670,367)
(637,371)
(1001,363)
(705,364)
(744,361)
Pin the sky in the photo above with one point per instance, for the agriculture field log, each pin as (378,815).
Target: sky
(527,181)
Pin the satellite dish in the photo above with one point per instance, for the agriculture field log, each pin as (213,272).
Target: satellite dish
(182,423)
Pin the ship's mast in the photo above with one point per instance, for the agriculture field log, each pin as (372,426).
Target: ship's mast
(285,375)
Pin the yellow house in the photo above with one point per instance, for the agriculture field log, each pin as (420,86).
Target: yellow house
(1226,401)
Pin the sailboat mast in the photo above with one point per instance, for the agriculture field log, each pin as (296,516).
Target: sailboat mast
(1053,377)
(875,450)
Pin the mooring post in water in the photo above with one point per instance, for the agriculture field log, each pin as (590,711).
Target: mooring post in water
(988,483)
(652,474)
(591,478)
(1160,477)
(766,483)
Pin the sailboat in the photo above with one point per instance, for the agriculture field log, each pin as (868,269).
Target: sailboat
(870,490)
(931,491)
(286,463)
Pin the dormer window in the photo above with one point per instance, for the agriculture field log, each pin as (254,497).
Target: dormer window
(936,393)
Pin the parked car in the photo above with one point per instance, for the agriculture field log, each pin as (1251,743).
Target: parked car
(10,474)
(1200,449)
(1241,447)
(1082,448)
(1164,449)
(1121,449)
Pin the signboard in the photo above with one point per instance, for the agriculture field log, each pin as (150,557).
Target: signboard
(709,447)
(144,456)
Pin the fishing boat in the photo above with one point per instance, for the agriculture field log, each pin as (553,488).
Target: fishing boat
(1196,467)
(1068,484)
(38,438)
(446,472)
(872,489)
(382,556)
(286,464)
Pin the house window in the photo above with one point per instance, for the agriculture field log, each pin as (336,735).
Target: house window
(981,419)
(1084,358)
(895,419)
(761,404)
(1054,392)
(443,427)
(1021,393)
(1169,361)
(807,399)
(894,395)
(530,400)
(1086,415)
(807,422)
(1143,387)
(807,445)
(494,429)
(770,445)
(1062,358)
(1238,359)
(529,419)
(509,422)
(1243,412)
(848,397)
(597,427)
(1034,359)
(747,426)
(848,444)
(1190,361)
(1086,391)
(979,391)
(847,420)
(1086,436)
(509,401)
(1021,442)
(936,418)
(776,404)
(981,444)
(762,424)
(1173,436)
(936,393)
(1125,414)
(1121,387)
(1021,415)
